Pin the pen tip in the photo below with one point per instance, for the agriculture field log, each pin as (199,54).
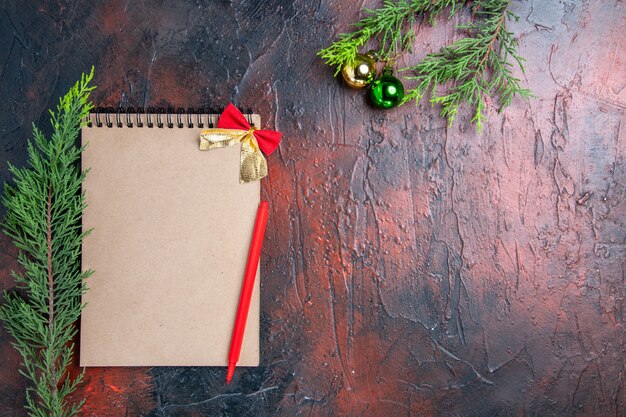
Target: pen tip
(229,373)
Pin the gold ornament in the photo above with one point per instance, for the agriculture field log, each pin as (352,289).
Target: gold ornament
(253,165)
(361,73)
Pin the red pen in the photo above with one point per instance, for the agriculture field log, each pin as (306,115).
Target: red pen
(246,290)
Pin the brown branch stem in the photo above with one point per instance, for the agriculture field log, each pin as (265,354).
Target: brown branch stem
(492,41)
(53,382)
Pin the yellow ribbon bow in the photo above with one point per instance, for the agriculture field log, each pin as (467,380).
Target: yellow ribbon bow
(253,165)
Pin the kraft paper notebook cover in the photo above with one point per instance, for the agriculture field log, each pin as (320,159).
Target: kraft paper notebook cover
(171,231)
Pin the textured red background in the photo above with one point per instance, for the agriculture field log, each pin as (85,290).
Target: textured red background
(410,268)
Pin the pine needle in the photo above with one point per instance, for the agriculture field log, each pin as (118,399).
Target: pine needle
(44,207)
(391,25)
(476,66)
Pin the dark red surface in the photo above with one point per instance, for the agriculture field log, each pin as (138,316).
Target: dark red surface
(409,268)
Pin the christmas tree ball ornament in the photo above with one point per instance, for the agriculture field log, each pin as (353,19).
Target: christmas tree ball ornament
(387,91)
(361,73)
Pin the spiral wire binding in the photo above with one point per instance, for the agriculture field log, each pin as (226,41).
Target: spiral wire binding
(171,118)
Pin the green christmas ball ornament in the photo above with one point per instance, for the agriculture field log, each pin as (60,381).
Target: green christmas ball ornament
(387,91)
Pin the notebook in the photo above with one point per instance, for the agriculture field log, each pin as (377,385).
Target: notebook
(171,232)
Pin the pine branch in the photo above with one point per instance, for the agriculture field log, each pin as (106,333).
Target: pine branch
(391,25)
(476,66)
(44,207)
(471,68)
